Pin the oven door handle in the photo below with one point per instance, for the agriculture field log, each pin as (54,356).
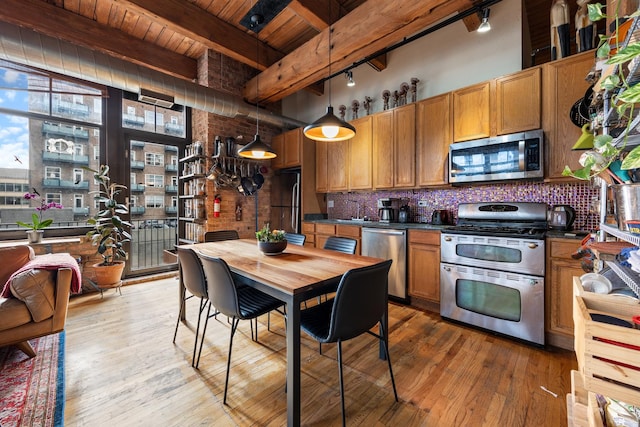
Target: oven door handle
(532,245)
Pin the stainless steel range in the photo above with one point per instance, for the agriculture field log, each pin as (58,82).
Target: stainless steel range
(492,268)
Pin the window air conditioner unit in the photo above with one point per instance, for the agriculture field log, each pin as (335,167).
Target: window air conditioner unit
(155,98)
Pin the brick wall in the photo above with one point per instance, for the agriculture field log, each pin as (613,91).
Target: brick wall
(227,75)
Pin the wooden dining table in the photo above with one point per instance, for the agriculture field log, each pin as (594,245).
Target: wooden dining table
(296,275)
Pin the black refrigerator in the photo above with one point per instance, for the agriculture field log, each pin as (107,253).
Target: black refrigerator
(285,201)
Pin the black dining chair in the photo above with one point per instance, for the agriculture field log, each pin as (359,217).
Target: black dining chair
(193,278)
(220,235)
(360,303)
(295,238)
(239,303)
(341,244)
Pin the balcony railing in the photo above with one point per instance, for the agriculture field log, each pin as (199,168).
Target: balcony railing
(65,130)
(71,108)
(137,144)
(173,128)
(137,164)
(137,188)
(61,183)
(133,120)
(171,148)
(137,210)
(171,210)
(171,189)
(65,158)
(81,211)
(171,168)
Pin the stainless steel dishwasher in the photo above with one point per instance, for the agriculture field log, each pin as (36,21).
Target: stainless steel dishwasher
(391,244)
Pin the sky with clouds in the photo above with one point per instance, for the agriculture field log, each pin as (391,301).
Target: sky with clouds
(14,130)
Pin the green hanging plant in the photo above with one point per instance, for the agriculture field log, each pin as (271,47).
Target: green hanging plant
(604,152)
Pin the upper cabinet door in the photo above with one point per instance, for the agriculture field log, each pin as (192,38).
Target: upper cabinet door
(433,136)
(404,129)
(472,112)
(322,162)
(383,151)
(518,102)
(292,144)
(360,155)
(277,144)
(564,84)
(337,162)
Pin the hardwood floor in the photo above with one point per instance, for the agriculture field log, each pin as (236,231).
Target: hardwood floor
(123,370)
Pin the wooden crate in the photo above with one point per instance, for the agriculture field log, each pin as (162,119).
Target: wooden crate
(577,402)
(611,367)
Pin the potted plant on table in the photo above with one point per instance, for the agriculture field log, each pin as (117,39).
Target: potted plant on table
(109,231)
(271,242)
(37,225)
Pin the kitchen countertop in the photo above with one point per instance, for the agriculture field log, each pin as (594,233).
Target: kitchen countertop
(378,224)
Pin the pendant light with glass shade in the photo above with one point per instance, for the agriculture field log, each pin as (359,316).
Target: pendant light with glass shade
(257,149)
(329,127)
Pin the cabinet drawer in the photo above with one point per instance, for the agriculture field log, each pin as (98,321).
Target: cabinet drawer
(562,248)
(308,228)
(348,230)
(326,229)
(424,237)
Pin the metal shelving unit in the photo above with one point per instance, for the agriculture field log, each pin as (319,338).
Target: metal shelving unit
(628,276)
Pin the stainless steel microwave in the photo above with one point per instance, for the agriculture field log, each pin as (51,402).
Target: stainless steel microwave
(505,157)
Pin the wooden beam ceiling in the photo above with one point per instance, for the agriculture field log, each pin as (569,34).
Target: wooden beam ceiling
(62,24)
(352,40)
(214,33)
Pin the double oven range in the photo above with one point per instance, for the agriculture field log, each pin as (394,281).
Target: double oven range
(492,268)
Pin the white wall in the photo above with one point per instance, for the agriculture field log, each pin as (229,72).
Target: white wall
(447,59)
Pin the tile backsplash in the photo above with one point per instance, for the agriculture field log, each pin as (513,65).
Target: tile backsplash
(583,197)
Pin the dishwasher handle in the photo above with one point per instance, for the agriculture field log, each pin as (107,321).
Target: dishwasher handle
(383,231)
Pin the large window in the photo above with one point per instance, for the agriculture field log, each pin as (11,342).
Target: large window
(154,159)
(47,127)
(152,180)
(154,201)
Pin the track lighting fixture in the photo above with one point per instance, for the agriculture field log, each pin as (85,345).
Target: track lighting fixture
(484,25)
(349,76)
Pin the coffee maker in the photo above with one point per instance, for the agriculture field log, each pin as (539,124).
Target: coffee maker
(387,209)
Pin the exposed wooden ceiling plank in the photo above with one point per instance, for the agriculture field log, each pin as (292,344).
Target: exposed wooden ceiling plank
(85,32)
(189,20)
(352,40)
(316,13)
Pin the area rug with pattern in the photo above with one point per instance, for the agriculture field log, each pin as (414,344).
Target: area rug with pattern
(32,390)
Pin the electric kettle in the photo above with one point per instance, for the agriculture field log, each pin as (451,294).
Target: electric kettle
(561,217)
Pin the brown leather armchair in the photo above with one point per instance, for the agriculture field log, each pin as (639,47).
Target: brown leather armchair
(39,305)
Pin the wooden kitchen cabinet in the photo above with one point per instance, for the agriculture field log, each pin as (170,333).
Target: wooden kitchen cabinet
(563,83)
(322,180)
(337,162)
(504,105)
(394,148)
(309,230)
(288,147)
(472,112)
(424,267)
(433,137)
(323,231)
(360,168)
(518,102)
(561,269)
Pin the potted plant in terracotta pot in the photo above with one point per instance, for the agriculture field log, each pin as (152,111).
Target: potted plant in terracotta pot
(271,242)
(109,231)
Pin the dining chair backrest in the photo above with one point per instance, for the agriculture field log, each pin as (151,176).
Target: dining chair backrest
(295,238)
(220,285)
(220,235)
(341,244)
(360,301)
(191,272)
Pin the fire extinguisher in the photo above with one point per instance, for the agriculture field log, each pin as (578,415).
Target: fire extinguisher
(216,206)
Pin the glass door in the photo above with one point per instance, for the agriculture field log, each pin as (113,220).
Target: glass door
(153,208)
